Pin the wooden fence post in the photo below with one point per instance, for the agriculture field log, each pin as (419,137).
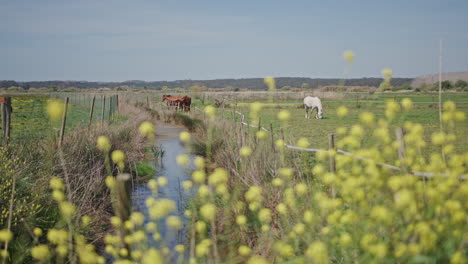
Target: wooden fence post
(117,102)
(123,204)
(103,109)
(272,139)
(91,110)
(331,147)
(401,148)
(110,109)
(64,121)
(6,118)
(147,102)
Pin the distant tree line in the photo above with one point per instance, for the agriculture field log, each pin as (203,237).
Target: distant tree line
(230,84)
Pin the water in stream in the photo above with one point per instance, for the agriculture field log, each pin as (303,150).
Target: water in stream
(168,140)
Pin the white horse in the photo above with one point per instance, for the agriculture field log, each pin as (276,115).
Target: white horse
(312,103)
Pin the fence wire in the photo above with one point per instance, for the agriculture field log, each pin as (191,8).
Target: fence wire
(344,152)
(29,120)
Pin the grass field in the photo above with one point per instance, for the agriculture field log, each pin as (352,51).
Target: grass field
(29,119)
(425,111)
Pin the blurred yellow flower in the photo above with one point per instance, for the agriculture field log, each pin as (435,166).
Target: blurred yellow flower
(284,115)
(200,227)
(449,106)
(103,143)
(153,185)
(55,108)
(110,182)
(241,220)
(118,157)
(342,111)
(303,142)
(264,215)
(387,73)
(317,251)
(244,251)
(270,83)
(199,162)
(85,220)
(40,252)
(277,182)
(286,173)
(37,232)
(184,136)
(407,104)
(56,183)
(301,189)
(179,248)
(67,209)
(5,235)
(152,256)
(279,143)
(282,209)
(208,211)
(174,222)
(261,134)
(187,185)
(255,107)
(245,151)
(162,181)
(147,129)
(348,56)
(210,111)
(366,118)
(183,160)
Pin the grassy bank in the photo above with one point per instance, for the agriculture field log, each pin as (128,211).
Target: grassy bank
(28,168)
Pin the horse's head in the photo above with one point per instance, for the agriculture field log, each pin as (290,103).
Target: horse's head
(319,114)
(164,98)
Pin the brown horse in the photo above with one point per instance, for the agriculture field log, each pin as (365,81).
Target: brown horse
(179,102)
(186,102)
(172,101)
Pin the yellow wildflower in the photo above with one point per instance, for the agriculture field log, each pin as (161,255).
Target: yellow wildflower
(245,151)
(208,211)
(147,129)
(184,136)
(40,252)
(55,108)
(348,55)
(183,160)
(270,83)
(5,235)
(244,251)
(210,111)
(284,115)
(174,222)
(103,143)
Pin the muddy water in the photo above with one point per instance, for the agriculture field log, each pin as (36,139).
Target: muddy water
(168,140)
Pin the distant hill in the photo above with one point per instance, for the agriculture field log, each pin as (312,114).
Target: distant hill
(250,83)
(433,78)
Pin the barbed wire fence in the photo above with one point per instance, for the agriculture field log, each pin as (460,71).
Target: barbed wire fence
(28,119)
(331,148)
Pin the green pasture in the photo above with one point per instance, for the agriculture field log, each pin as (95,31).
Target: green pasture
(425,112)
(29,120)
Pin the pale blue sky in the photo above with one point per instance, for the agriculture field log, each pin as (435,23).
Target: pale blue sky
(103,40)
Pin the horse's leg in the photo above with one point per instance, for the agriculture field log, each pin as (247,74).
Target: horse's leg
(306,110)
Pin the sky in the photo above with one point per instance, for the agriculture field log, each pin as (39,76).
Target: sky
(118,40)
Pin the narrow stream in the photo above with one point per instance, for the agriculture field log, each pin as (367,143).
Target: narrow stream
(168,140)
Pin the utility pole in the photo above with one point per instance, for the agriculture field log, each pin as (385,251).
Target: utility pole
(440,84)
